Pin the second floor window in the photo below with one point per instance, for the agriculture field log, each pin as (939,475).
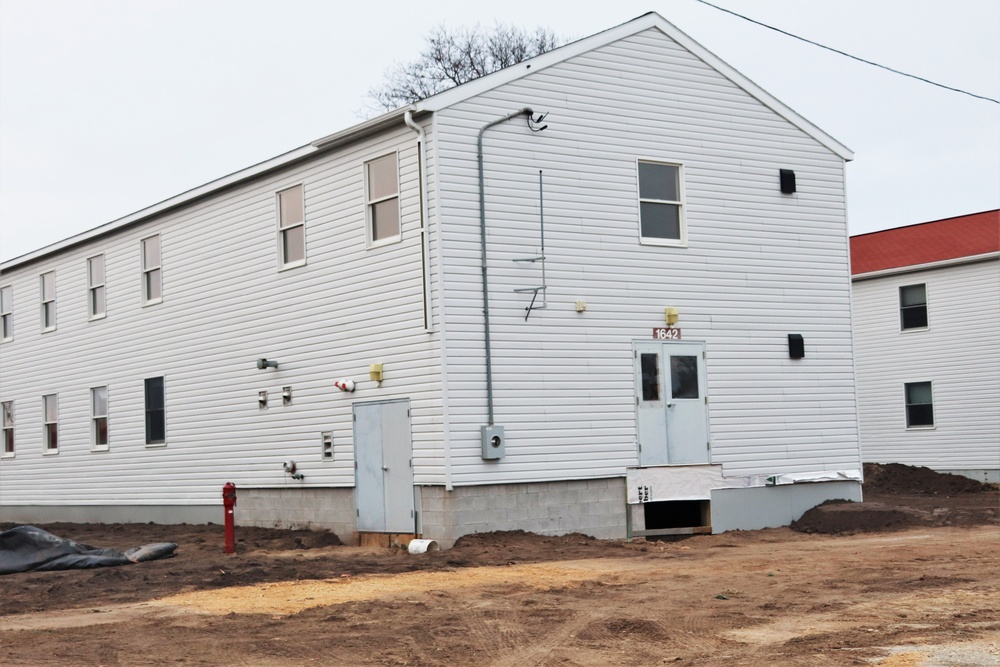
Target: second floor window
(382,199)
(96,297)
(292,227)
(48,289)
(661,211)
(152,280)
(913,307)
(7,313)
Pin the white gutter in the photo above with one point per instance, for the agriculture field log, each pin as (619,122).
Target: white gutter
(968,259)
(424,216)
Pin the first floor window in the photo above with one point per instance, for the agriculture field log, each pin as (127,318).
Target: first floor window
(152,279)
(913,307)
(292,226)
(7,407)
(48,290)
(99,417)
(919,404)
(95,294)
(661,215)
(6,312)
(156,412)
(382,198)
(50,415)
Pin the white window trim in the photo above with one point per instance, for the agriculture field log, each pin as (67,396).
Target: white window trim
(931,427)
(7,315)
(152,445)
(682,242)
(146,301)
(45,430)
(94,447)
(41,293)
(4,454)
(282,266)
(369,229)
(91,287)
(899,308)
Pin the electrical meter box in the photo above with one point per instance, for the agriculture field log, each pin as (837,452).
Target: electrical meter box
(493,442)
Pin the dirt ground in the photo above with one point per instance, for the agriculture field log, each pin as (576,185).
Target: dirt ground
(908,578)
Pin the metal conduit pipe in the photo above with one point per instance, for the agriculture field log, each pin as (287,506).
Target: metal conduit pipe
(424,218)
(482,234)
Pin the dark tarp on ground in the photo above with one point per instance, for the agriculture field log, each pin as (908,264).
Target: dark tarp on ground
(31,549)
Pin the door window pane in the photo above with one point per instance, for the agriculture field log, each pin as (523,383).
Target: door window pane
(684,377)
(650,367)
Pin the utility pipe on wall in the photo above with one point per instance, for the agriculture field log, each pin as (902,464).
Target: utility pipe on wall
(424,217)
(482,233)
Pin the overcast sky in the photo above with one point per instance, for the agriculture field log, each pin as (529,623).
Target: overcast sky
(109,106)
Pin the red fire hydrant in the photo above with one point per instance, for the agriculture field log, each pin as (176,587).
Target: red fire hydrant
(229,502)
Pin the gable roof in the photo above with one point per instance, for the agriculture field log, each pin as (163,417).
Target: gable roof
(645,22)
(971,235)
(440,101)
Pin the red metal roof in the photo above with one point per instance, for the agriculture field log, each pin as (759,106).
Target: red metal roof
(951,238)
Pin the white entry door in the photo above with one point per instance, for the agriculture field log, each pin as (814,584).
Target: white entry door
(672,403)
(383,460)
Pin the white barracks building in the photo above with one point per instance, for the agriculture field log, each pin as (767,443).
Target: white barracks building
(629,316)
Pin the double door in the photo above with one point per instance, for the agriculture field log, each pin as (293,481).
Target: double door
(672,403)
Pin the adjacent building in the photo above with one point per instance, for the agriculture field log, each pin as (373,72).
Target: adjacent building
(927,341)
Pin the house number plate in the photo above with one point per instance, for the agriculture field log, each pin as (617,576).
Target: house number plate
(666,333)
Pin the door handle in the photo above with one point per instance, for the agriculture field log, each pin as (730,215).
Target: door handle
(670,405)
(385,468)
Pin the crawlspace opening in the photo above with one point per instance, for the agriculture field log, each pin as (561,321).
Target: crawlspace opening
(677,514)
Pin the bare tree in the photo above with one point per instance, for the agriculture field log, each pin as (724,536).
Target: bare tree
(452,57)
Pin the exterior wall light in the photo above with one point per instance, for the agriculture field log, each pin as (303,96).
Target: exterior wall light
(375,373)
(671,315)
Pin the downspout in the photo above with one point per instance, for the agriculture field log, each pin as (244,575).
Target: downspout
(482,234)
(424,216)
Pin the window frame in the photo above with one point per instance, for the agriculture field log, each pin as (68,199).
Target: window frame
(927,319)
(283,228)
(680,203)
(370,241)
(50,428)
(162,410)
(148,271)
(7,430)
(6,313)
(47,325)
(93,289)
(907,404)
(96,446)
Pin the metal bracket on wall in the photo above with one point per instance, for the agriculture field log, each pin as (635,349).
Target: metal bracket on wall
(540,258)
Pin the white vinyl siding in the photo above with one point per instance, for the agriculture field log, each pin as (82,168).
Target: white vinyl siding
(96,292)
(152,275)
(959,352)
(758,265)
(6,313)
(227,307)
(47,288)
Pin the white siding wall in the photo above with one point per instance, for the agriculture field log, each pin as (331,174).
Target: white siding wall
(959,353)
(759,265)
(224,305)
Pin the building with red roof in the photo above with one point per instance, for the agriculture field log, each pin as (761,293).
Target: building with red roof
(926,321)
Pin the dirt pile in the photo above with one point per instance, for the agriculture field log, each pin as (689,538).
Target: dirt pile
(896,478)
(899,497)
